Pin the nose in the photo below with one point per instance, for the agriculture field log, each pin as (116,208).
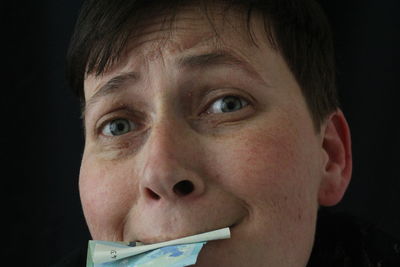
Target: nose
(169,163)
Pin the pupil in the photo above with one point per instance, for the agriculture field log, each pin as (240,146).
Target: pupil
(120,127)
(231,103)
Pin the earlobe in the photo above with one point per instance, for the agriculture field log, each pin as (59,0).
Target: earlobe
(337,168)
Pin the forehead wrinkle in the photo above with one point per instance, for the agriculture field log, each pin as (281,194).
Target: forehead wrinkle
(217,57)
(182,37)
(189,25)
(152,49)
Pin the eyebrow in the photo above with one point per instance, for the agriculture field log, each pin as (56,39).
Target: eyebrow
(110,87)
(202,61)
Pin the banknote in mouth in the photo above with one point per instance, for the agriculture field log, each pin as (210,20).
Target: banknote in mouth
(177,252)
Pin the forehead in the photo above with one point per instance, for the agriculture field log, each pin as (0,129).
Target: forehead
(187,30)
(190,26)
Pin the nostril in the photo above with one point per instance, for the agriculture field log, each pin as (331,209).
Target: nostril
(152,194)
(183,188)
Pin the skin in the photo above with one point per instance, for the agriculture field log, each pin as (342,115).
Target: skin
(262,170)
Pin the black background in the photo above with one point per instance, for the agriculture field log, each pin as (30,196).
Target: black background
(42,141)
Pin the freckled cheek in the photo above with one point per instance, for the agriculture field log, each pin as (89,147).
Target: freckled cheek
(265,169)
(106,196)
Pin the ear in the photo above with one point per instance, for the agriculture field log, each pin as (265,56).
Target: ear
(337,166)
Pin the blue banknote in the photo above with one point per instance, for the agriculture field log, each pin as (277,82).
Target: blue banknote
(169,256)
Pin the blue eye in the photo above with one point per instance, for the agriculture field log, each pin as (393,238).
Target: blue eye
(117,127)
(228,104)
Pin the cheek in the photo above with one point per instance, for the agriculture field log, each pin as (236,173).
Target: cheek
(106,198)
(272,170)
(275,175)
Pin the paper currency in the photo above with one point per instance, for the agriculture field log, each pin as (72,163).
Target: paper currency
(173,253)
(170,256)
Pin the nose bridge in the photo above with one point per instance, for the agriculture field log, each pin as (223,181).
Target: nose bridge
(166,124)
(167,139)
(168,170)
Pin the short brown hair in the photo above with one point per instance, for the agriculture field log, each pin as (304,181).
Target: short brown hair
(298,29)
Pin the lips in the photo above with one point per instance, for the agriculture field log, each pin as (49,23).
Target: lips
(152,240)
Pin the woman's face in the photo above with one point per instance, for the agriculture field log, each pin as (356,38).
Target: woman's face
(194,132)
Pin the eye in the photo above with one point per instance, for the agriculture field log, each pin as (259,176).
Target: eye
(227,104)
(117,127)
